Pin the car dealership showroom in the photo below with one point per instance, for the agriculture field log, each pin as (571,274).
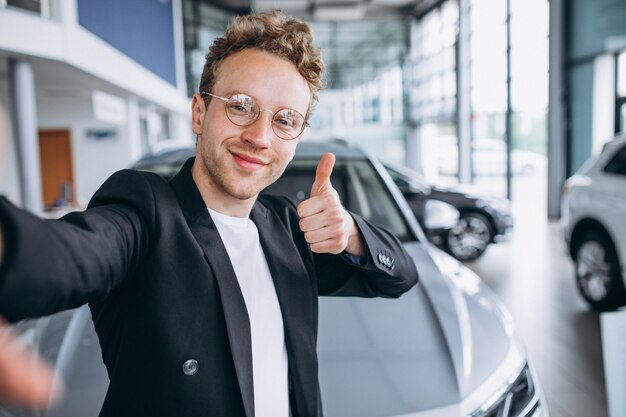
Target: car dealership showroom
(486,137)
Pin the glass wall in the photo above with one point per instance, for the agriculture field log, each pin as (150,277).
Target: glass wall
(529,100)
(528,49)
(433,89)
(202,23)
(488,49)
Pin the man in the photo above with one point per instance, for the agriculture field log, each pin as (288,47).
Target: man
(203,295)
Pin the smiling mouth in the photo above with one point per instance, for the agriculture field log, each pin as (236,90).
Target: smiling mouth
(249,163)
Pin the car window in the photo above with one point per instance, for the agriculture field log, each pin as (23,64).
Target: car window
(359,187)
(617,164)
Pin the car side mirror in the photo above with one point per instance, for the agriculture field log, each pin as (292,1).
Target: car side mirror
(440,215)
(411,189)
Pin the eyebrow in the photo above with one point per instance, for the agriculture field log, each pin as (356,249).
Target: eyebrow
(234,92)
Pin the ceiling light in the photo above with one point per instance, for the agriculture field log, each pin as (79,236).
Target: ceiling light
(339,12)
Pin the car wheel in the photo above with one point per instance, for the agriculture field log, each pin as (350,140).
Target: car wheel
(598,272)
(469,239)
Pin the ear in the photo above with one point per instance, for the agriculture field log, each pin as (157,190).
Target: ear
(198,110)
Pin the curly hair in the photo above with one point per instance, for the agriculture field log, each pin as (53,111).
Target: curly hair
(273,32)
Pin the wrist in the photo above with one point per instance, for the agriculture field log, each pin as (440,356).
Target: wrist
(355,244)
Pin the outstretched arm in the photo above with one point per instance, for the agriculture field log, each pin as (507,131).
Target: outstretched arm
(53,265)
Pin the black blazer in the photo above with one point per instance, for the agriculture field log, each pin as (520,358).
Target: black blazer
(148,259)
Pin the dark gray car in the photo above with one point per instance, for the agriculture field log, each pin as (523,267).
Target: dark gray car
(483,220)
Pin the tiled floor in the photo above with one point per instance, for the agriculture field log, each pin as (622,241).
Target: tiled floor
(533,276)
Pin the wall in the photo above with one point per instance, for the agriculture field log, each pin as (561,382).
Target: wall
(31,36)
(581,97)
(595,31)
(94,160)
(595,26)
(141,29)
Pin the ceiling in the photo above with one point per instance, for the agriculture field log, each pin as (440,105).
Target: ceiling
(324,10)
(358,38)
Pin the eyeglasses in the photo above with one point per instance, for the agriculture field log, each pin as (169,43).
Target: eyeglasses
(243,110)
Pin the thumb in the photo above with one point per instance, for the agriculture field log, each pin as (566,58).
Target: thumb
(322,174)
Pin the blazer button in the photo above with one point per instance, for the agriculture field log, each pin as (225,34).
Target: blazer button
(190,367)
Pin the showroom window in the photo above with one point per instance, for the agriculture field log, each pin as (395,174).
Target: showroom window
(528,71)
(41,7)
(433,91)
(433,86)
(202,23)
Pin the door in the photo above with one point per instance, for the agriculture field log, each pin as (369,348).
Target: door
(57,178)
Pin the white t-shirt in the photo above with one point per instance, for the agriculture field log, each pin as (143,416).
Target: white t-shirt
(269,354)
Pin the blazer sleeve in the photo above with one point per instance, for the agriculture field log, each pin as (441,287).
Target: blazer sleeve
(389,271)
(52,265)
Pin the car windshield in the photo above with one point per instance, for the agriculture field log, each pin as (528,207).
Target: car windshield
(360,189)
(167,171)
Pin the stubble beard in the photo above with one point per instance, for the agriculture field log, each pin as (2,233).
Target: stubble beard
(241,187)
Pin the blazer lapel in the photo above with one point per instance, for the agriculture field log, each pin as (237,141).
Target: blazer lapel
(235,312)
(294,291)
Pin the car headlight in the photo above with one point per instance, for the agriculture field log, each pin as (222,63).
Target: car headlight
(520,399)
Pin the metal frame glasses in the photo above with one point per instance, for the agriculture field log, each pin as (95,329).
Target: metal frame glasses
(242,110)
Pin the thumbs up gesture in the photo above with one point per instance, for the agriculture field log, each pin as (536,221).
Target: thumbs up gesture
(327,226)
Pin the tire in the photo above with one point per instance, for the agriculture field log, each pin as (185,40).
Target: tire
(468,240)
(598,272)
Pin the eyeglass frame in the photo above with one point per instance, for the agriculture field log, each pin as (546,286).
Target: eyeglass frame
(227,99)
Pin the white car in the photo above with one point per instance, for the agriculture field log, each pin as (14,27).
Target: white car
(594,219)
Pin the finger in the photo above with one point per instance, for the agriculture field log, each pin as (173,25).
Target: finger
(322,174)
(333,246)
(322,219)
(323,234)
(312,206)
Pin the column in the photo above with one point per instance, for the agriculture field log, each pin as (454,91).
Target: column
(557,151)
(25,133)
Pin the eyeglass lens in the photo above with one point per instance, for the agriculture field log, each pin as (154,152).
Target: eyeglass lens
(242,110)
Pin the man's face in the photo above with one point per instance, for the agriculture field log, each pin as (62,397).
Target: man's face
(238,162)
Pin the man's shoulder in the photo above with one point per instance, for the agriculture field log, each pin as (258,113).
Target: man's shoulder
(129,179)
(129,184)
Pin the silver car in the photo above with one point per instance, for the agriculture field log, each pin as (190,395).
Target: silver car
(445,348)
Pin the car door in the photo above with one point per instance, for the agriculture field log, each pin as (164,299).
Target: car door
(612,188)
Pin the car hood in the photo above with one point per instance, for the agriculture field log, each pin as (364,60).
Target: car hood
(447,344)
(465,191)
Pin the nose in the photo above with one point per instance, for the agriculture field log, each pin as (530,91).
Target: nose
(260,133)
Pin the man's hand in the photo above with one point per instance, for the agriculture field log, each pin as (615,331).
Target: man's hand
(327,226)
(24,380)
